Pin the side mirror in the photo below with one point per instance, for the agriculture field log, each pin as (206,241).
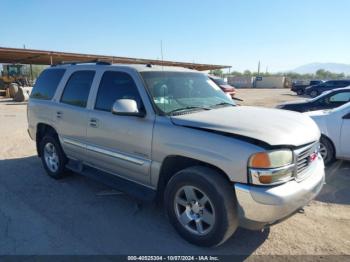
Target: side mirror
(126,107)
(347,116)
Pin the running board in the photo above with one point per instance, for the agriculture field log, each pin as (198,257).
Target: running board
(133,189)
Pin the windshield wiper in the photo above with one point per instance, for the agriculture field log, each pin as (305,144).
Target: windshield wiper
(187,108)
(223,104)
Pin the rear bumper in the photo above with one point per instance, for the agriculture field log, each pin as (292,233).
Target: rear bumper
(259,205)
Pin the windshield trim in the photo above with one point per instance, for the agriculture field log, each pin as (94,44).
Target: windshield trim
(157,111)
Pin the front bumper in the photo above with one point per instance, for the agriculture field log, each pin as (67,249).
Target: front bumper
(259,206)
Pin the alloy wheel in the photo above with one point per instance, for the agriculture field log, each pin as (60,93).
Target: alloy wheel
(194,210)
(51,157)
(313,94)
(323,151)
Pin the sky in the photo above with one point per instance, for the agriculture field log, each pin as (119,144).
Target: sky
(282,34)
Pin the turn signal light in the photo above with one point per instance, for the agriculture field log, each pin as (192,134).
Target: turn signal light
(260,160)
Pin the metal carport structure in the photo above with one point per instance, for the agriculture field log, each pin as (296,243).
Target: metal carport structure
(42,57)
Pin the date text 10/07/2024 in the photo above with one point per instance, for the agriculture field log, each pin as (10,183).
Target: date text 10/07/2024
(173,258)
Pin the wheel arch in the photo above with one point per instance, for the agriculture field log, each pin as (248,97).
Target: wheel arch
(173,164)
(41,130)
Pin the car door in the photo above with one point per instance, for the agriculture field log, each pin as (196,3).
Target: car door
(120,144)
(71,115)
(345,135)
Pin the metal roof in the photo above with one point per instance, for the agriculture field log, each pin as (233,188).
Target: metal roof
(42,57)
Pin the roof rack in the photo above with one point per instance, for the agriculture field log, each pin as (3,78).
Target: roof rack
(96,61)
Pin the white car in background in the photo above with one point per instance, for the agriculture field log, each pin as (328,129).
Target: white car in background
(335,129)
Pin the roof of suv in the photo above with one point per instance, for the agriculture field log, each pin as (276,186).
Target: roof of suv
(137,67)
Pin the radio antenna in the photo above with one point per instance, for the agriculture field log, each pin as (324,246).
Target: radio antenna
(161,52)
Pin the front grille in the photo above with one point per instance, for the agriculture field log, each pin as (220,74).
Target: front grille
(303,161)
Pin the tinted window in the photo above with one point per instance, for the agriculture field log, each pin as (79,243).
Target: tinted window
(330,83)
(314,82)
(340,97)
(113,86)
(339,83)
(77,88)
(46,85)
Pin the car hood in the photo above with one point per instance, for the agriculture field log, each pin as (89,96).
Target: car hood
(298,102)
(272,126)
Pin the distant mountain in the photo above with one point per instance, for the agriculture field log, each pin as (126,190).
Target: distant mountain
(333,67)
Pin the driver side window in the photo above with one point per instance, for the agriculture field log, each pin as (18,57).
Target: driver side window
(116,85)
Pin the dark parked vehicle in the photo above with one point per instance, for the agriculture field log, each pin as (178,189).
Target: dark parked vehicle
(316,90)
(300,88)
(328,100)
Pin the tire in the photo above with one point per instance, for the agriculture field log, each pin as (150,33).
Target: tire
(21,95)
(300,92)
(13,89)
(55,162)
(327,150)
(313,93)
(219,209)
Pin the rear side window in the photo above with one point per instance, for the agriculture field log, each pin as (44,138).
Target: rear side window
(77,89)
(113,86)
(46,85)
(340,97)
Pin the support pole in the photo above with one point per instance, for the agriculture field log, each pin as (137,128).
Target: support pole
(31,73)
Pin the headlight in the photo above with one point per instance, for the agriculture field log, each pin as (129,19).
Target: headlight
(271,167)
(271,159)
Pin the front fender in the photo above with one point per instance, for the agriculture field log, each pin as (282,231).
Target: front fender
(226,153)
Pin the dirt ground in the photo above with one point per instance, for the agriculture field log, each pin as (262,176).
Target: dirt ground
(39,215)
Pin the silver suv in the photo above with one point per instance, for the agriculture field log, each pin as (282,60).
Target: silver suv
(171,134)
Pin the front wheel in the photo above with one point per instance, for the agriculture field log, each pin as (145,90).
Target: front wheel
(300,92)
(327,150)
(201,205)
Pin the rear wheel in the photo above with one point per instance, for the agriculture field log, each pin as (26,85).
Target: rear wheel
(201,205)
(327,150)
(314,93)
(53,157)
(300,92)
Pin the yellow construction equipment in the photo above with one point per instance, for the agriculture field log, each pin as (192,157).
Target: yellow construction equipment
(13,73)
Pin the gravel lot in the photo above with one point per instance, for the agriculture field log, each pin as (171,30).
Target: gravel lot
(39,215)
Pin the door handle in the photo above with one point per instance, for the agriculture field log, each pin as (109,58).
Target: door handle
(93,122)
(59,114)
